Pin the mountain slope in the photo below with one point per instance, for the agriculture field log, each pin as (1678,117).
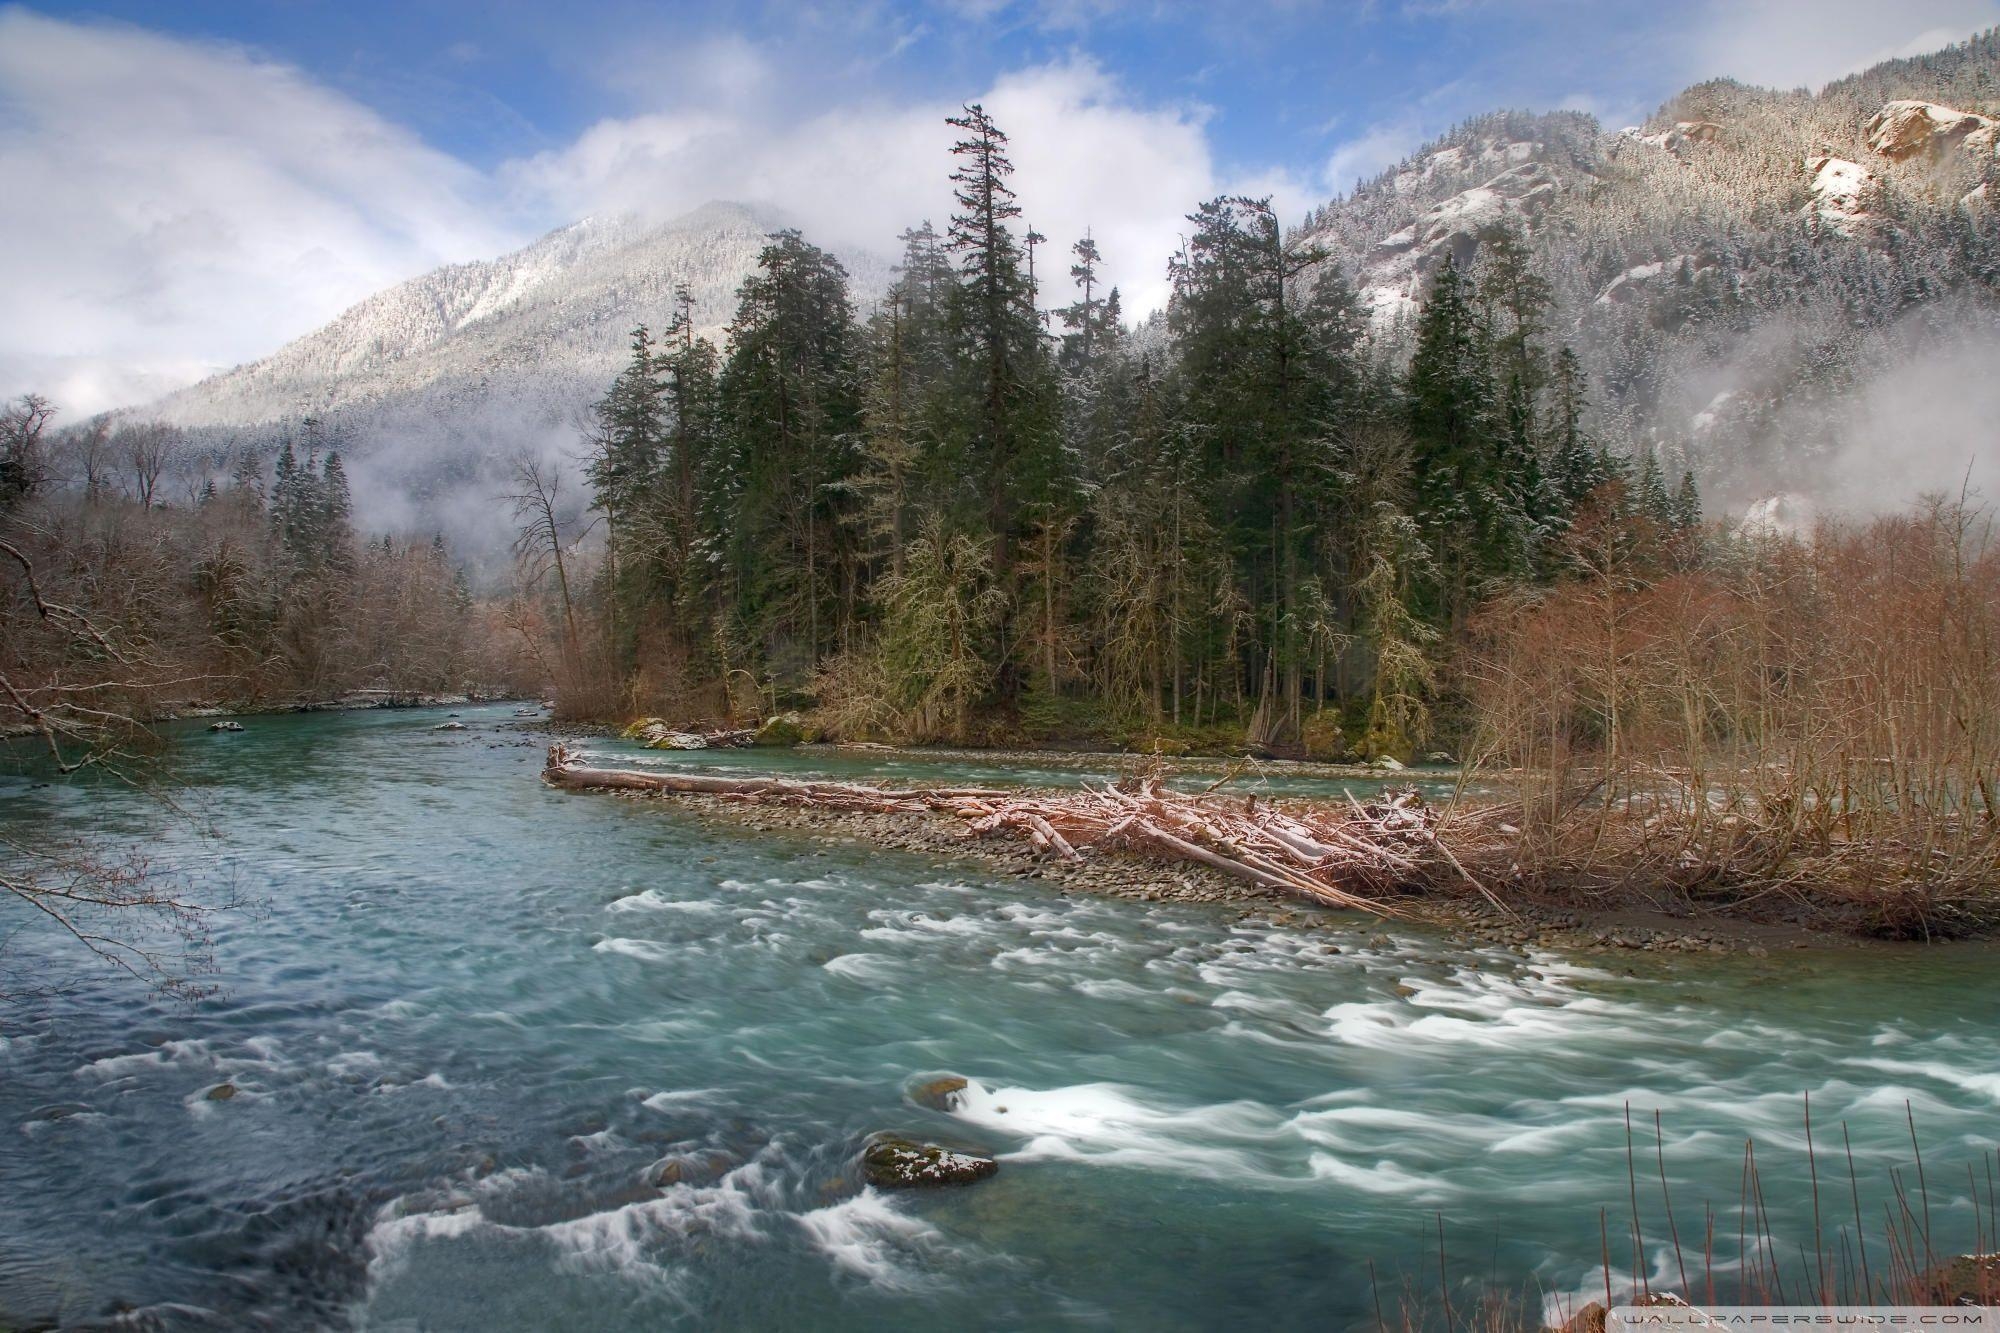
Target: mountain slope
(1780,289)
(432,385)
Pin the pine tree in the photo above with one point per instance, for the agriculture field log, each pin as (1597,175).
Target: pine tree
(1091,319)
(791,400)
(335,520)
(1266,332)
(1450,396)
(1649,498)
(1687,504)
(1575,466)
(1008,394)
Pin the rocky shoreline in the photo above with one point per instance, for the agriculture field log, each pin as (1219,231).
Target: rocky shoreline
(1626,926)
(1470,919)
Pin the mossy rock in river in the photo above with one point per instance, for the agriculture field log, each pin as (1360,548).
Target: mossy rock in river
(896,1163)
(1322,736)
(784,729)
(639,730)
(938,1094)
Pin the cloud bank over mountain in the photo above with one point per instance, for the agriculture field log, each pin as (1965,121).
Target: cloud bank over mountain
(189,200)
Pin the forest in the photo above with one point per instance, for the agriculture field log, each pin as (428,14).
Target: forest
(986,514)
(135,584)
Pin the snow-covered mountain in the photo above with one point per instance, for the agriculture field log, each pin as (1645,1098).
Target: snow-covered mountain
(1781,289)
(434,384)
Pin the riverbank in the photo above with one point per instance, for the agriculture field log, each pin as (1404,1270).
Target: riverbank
(478,1022)
(1522,925)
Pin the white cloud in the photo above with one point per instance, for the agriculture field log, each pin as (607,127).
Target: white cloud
(191,205)
(1367,154)
(175,206)
(1086,156)
(1808,43)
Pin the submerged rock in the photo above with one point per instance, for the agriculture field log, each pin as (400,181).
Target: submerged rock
(938,1094)
(222,1092)
(449,726)
(897,1163)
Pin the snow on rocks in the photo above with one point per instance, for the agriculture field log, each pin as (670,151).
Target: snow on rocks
(1395,272)
(1635,282)
(1907,127)
(1463,160)
(898,1163)
(1680,139)
(1842,192)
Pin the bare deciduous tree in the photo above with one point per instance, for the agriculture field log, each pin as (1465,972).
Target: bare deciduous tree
(23,459)
(78,688)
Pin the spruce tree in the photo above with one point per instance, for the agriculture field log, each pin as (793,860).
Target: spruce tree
(1452,432)
(1574,464)
(1649,498)
(1687,503)
(1008,419)
(790,397)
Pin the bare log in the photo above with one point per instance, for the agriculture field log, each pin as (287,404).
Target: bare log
(1341,857)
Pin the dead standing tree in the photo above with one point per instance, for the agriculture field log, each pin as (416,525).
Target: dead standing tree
(541,546)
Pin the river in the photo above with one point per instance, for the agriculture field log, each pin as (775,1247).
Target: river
(469,1022)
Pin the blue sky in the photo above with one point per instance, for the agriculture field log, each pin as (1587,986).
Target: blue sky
(216,178)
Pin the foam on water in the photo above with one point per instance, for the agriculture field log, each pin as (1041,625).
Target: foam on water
(1109,1124)
(869,1237)
(652,900)
(872,969)
(649,951)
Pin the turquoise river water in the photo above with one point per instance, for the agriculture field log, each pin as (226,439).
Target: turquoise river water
(471,1021)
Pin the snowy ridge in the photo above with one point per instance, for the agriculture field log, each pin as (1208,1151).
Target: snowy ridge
(541,330)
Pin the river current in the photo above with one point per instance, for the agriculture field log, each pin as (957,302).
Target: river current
(471,1023)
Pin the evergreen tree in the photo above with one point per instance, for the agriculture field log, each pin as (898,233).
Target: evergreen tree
(1575,467)
(1007,423)
(791,400)
(1460,508)
(1687,504)
(1266,333)
(1092,320)
(1649,498)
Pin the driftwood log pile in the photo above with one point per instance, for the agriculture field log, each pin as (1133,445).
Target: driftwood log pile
(1353,855)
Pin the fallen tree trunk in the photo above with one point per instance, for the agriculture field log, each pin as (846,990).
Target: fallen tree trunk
(1342,857)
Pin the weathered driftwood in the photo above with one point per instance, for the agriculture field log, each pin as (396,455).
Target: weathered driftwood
(1342,856)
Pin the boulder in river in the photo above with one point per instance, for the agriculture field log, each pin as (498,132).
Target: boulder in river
(222,1092)
(1387,764)
(938,1094)
(225,725)
(784,729)
(449,726)
(890,1162)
